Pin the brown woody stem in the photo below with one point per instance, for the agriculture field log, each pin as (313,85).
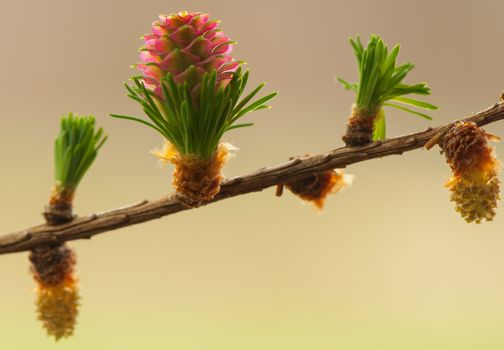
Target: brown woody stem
(88,226)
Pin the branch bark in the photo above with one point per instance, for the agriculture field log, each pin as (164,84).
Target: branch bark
(88,226)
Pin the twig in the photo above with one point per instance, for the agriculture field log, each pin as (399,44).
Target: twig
(295,169)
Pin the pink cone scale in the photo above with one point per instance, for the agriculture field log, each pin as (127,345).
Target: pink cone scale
(187,45)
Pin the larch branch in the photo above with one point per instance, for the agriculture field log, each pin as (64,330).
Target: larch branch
(88,226)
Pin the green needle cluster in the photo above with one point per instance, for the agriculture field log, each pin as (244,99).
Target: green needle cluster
(75,149)
(195,122)
(381,83)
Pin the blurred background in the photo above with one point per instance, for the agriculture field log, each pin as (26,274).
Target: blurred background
(387,265)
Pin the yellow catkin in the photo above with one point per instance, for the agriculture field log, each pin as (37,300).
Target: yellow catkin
(316,188)
(57,308)
(53,267)
(196,180)
(474,184)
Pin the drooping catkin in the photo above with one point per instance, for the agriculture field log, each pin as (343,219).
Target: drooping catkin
(53,268)
(474,184)
(57,308)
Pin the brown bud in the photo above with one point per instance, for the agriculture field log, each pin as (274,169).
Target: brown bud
(317,187)
(52,263)
(59,210)
(465,146)
(196,180)
(360,127)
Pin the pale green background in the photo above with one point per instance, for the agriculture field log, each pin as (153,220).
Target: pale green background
(387,265)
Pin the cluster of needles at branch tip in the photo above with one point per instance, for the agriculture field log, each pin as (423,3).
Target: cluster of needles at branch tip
(474,184)
(75,150)
(380,84)
(53,264)
(191,91)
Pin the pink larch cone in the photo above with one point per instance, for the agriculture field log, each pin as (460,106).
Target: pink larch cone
(187,45)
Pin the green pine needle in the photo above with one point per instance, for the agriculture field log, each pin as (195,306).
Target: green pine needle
(75,149)
(196,128)
(381,80)
(380,127)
